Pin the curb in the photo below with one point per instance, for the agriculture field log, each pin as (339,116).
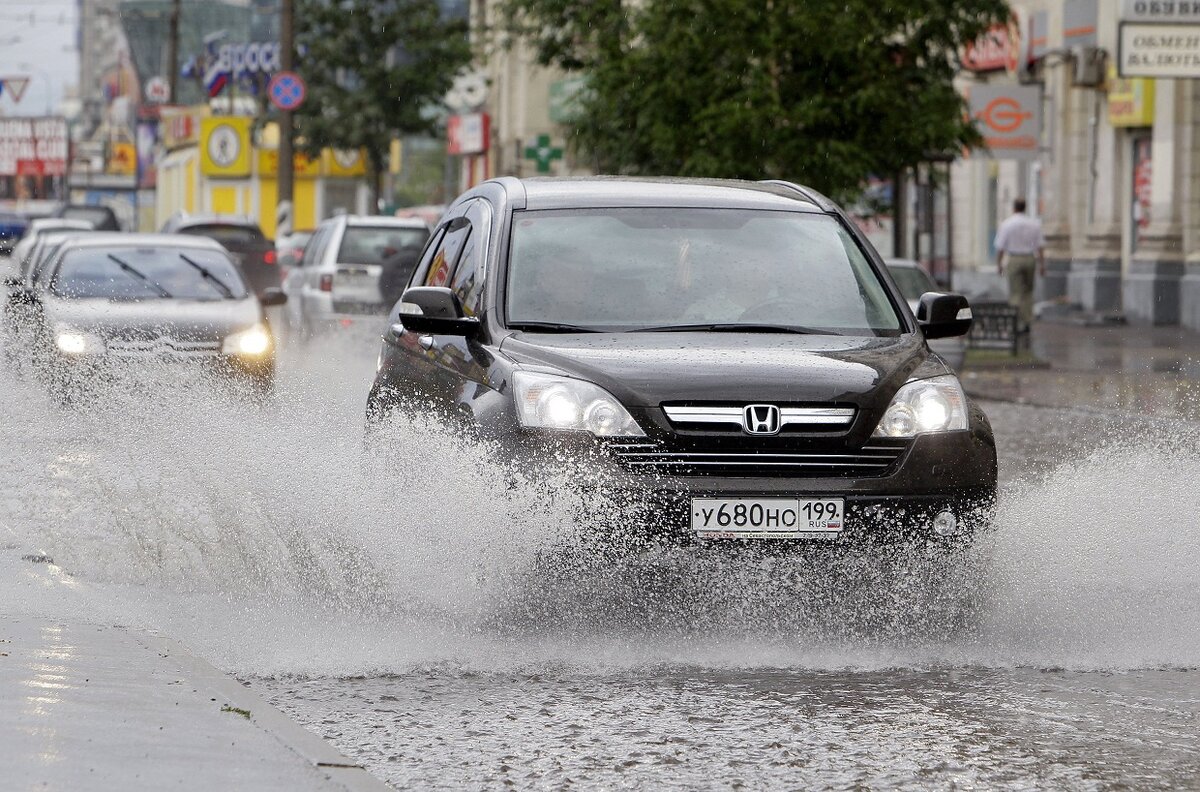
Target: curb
(310,747)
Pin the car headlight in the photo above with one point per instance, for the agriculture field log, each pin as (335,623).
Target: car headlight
(937,404)
(75,343)
(545,401)
(250,342)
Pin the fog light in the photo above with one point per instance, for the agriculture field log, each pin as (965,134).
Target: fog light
(945,523)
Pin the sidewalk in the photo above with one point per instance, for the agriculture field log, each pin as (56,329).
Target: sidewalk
(1145,370)
(96,707)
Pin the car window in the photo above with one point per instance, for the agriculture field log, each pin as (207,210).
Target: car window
(624,269)
(468,278)
(913,281)
(381,245)
(315,246)
(225,233)
(145,273)
(448,251)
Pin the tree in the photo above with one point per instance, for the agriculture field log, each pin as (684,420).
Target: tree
(375,69)
(821,91)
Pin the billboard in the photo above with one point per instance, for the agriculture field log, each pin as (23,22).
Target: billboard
(1010,119)
(33,158)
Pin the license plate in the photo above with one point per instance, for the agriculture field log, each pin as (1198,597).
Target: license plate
(767,518)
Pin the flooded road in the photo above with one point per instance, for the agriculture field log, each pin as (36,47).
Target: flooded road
(398,601)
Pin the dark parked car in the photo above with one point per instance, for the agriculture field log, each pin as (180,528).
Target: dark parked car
(12,227)
(105,302)
(242,237)
(101,218)
(733,356)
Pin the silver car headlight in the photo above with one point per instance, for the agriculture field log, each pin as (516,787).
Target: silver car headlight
(251,342)
(75,343)
(546,401)
(925,406)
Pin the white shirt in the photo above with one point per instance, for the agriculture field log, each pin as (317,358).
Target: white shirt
(1020,235)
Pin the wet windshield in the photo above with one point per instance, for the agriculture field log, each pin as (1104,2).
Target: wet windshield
(631,269)
(146,273)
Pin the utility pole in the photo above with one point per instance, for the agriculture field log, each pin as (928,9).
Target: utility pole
(287,49)
(173,51)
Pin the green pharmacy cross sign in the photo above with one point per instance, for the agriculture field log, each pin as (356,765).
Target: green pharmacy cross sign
(543,153)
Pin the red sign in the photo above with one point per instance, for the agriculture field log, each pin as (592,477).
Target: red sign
(467,134)
(1001,47)
(33,146)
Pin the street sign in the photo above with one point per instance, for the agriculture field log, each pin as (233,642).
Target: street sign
(1010,119)
(287,90)
(543,153)
(14,87)
(158,90)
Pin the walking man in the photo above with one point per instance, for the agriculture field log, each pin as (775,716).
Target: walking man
(1019,244)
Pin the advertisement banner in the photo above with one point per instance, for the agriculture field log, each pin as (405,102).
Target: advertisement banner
(1010,119)
(1158,50)
(33,158)
(1130,101)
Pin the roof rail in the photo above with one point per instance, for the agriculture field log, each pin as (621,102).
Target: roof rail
(808,192)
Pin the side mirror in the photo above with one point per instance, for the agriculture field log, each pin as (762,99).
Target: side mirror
(272,296)
(436,310)
(943,315)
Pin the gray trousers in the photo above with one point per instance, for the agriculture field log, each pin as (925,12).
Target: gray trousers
(1021,272)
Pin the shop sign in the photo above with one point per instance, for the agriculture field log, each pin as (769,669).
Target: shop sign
(344,163)
(303,166)
(1130,101)
(1160,11)
(179,128)
(1010,119)
(33,146)
(122,159)
(467,133)
(989,52)
(234,61)
(225,146)
(1159,50)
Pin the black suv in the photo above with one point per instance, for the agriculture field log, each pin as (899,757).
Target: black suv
(734,354)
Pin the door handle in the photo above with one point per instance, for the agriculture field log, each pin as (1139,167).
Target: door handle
(426,341)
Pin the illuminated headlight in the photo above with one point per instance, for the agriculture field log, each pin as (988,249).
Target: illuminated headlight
(545,401)
(251,342)
(74,343)
(925,406)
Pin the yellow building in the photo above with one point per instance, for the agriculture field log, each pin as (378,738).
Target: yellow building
(221,164)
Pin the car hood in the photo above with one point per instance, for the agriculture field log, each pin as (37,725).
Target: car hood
(194,320)
(649,369)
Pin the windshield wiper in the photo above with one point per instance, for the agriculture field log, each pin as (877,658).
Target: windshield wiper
(553,327)
(733,327)
(135,272)
(205,273)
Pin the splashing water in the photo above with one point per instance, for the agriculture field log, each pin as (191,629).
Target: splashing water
(275,542)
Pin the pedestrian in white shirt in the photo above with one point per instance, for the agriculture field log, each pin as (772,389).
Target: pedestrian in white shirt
(1019,244)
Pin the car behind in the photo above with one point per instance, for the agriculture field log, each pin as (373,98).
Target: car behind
(914,282)
(107,302)
(242,237)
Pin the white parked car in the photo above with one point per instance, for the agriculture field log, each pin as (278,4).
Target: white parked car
(352,271)
(913,282)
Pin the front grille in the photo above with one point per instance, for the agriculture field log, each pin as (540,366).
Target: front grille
(878,457)
(359,307)
(172,347)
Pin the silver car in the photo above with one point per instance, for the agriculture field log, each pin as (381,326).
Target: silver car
(352,271)
(913,282)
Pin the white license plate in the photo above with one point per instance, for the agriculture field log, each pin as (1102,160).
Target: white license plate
(767,518)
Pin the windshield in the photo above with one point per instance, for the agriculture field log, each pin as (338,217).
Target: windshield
(629,269)
(913,281)
(148,273)
(383,245)
(225,233)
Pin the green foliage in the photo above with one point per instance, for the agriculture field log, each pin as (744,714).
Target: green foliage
(820,91)
(374,69)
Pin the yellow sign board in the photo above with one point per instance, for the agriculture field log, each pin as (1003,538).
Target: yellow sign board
(122,159)
(344,163)
(225,146)
(1130,101)
(303,166)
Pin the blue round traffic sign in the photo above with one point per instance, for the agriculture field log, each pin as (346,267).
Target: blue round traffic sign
(286,90)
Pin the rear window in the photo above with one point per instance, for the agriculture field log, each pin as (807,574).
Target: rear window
(148,273)
(383,245)
(226,234)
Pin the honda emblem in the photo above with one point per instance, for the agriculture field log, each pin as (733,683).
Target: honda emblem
(761,419)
